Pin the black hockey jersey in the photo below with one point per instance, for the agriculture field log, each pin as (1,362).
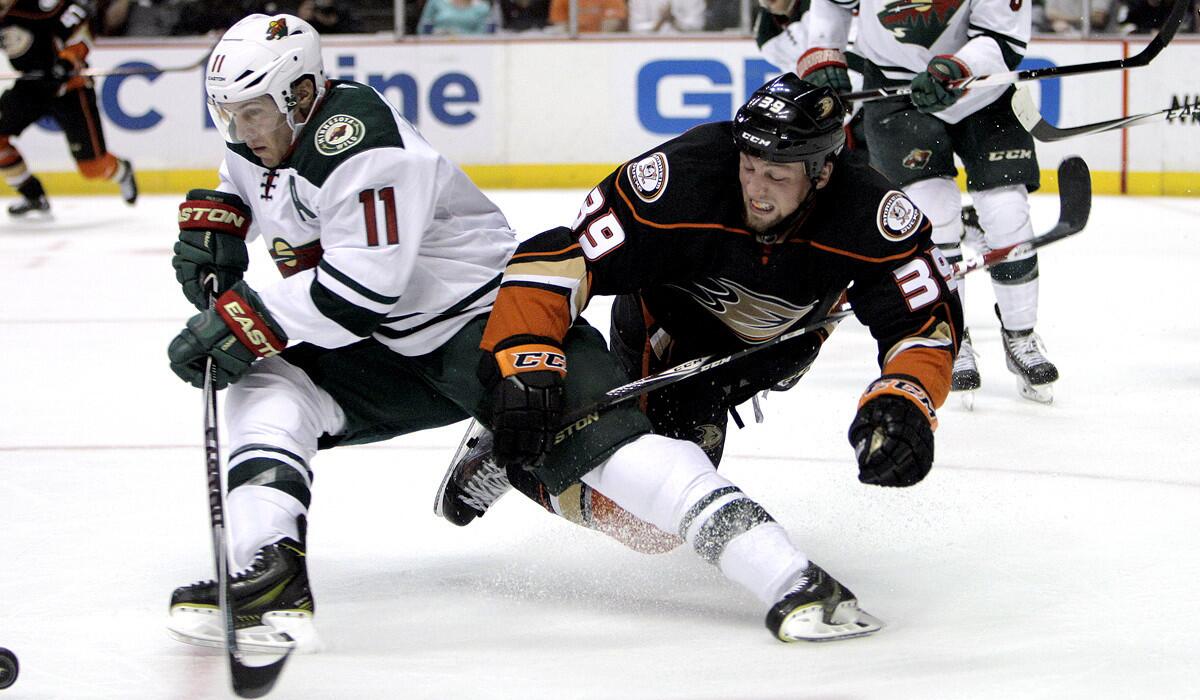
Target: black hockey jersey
(35,33)
(670,225)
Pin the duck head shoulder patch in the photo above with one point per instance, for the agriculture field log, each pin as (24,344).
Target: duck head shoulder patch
(898,217)
(648,176)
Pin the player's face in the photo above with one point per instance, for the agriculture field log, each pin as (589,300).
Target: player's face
(771,192)
(261,126)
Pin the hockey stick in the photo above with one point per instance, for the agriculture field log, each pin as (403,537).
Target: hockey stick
(582,417)
(1027,112)
(248,681)
(1074,209)
(106,72)
(1143,57)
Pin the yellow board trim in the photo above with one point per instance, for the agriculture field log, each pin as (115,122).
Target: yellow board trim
(580,176)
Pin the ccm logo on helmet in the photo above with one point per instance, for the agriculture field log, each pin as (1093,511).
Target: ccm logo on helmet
(757,140)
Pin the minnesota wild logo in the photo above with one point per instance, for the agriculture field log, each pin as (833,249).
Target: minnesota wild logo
(918,22)
(338,133)
(277,29)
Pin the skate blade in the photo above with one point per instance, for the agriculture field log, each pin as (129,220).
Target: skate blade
(203,626)
(1043,393)
(470,439)
(809,623)
(967,399)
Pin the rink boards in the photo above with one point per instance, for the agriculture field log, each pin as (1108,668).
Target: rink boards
(553,112)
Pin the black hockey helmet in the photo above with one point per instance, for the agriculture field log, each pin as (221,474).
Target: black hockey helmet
(789,120)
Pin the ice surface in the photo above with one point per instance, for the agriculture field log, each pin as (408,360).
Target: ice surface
(1052,553)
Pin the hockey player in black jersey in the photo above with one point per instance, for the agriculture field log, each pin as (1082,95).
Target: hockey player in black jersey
(49,42)
(723,238)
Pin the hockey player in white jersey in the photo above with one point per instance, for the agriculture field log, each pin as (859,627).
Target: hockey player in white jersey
(387,252)
(930,45)
(391,260)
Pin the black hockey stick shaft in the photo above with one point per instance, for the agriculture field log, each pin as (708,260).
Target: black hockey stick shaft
(1029,116)
(1074,210)
(248,681)
(584,416)
(1143,57)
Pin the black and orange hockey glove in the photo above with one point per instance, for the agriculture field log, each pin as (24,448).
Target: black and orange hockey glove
(892,434)
(528,388)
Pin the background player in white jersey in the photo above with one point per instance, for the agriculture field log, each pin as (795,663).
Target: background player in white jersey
(930,45)
(391,260)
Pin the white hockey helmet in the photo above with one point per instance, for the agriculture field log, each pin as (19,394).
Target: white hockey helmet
(263,55)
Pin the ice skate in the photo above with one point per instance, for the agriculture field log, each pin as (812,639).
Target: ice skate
(127,182)
(1024,356)
(33,199)
(273,607)
(965,379)
(817,609)
(474,481)
(25,207)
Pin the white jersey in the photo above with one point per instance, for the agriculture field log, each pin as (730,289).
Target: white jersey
(376,233)
(901,36)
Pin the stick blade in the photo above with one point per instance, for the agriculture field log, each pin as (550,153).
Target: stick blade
(255,681)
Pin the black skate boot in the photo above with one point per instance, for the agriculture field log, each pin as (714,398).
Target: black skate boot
(129,188)
(966,373)
(965,376)
(33,199)
(474,481)
(1024,356)
(272,605)
(816,609)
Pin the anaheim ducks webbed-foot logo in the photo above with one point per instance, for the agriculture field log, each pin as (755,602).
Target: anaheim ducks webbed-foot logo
(277,29)
(339,133)
(918,22)
(752,316)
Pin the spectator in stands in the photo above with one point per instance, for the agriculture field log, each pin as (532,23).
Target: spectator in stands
(204,17)
(111,18)
(1142,16)
(666,15)
(328,18)
(141,17)
(524,15)
(594,15)
(722,14)
(1066,16)
(456,17)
